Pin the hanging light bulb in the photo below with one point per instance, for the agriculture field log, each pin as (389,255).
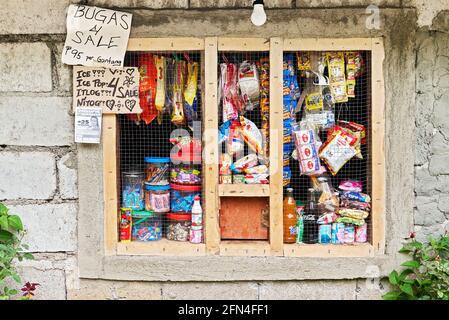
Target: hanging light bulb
(258,17)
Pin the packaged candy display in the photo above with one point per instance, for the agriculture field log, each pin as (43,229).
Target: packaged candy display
(157,170)
(182,197)
(249,85)
(146,226)
(348,220)
(185,174)
(178,227)
(125,225)
(303,58)
(157,198)
(264,80)
(361,233)
(132,190)
(352,213)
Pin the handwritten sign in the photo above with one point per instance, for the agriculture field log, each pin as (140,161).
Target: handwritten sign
(96,37)
(112,90)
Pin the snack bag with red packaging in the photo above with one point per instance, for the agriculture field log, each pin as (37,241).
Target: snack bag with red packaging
(338,149)
(309,162)
(147,87)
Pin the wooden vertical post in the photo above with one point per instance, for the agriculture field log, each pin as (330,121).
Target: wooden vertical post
(211,151)
(110,183)
(378,142)
(276,146)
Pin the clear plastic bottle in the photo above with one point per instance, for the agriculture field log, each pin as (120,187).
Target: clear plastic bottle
(196,230)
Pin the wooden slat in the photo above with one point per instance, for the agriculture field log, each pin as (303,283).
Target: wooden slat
(245,248)
(378,161)
(162,247)
(110,183)
(326,44)
(243,44)
(276,146)
(244,190)
(211,152)
(320,250)
(165,44)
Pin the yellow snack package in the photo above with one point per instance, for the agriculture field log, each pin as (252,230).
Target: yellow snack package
(159,102)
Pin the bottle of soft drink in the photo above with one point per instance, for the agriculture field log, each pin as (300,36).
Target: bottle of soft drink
(196,230)
(310,218)
(289,217)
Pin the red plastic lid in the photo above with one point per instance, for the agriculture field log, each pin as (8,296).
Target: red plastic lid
(179,216)
(188,188)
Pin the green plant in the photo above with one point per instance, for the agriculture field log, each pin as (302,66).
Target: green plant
(11,248)
(426,276)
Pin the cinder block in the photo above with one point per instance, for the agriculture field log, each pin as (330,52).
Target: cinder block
(25,67)
(68,179)
(36,121)
(348,3)
(150,4)
(49,227)
(239,4)
(27,175)
(209,290)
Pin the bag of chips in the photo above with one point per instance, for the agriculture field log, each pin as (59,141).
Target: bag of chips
(191,103)
(177,116)
(337,150)
(147,87)
(159,62)
(252,135)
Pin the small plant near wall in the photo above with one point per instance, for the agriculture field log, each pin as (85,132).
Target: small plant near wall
(426,275)
(12,249)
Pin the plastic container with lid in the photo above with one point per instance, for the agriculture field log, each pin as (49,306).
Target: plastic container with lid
(157,170)
(178,226)
(182,197)
(196,234)
(146,226)
(157,198)
(186,174)
(132,190)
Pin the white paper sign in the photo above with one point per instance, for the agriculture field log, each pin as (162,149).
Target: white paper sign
(88,125)
(112,90)
(96,37)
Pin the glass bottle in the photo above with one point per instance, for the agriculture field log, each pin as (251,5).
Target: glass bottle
(310,218)
(289,217)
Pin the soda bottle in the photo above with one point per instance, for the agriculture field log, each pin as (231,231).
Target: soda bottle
(310,218)
(289,217)
(197,212)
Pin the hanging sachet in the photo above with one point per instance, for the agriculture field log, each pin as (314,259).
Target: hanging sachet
(190,104)
(232,104)
(147,87)
(169,78)
(249,85)
(177,116)
(159,62)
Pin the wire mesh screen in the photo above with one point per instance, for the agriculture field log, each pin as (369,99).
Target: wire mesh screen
(160,149)
(243,86)
(327,149)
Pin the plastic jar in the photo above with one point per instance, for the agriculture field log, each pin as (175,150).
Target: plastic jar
(147,226)
(157,170)
(185,174)
(182,197)
(178,226)
(132,190)
(157,198)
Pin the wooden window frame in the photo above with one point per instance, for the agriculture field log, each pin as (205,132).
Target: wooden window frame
(209,47)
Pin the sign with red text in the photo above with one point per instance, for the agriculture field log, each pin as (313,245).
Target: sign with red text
(112,90)
(96,37)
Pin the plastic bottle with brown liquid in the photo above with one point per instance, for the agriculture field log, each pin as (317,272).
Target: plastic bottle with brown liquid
(289,217)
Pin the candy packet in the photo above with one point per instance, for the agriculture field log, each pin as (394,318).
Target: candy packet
(357,196)
(249,85)
(241,164)
(159,102)
(261,169)
(177,116)
(348,220)
(256,178)
(353,213)
(190,104)
(337,78)
(252,135)
(125,224)
(350,185)
(147,87)
(353,204)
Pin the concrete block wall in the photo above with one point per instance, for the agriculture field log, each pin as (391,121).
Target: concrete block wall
(38,163)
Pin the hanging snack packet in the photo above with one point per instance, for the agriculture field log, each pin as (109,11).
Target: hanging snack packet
(147,87)
(287,175)
(357,196)
(190,93)
(177,116)
(303,58)
(252,135)
(350,185)
(337,150)
(309,162)
(236,144)
(159,62)
(314,101)
(248,161)
(264,78)
(249,85)
(232,103)
(169,77)
(337,79)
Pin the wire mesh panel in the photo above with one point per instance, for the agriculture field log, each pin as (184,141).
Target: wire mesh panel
(327,149)
(160,149)
(243,86)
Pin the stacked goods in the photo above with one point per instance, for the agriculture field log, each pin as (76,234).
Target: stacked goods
(264,78)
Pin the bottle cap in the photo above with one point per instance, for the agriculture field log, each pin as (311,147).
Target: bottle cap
(289,189)
(196,198)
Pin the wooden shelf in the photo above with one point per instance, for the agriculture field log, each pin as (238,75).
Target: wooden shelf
(162,247)
(245,248)
(328,250)
(244,190)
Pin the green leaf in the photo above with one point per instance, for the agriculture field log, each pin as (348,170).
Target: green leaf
(15,222)
(28,256)
(407,288)
(392,295)
(404,274)
(411,264)
(405,250)
(6,235)
(16,278)
(4,222)
(3,210)
(12,292)
(393,277)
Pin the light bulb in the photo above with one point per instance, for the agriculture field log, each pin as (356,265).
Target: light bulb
(258,17)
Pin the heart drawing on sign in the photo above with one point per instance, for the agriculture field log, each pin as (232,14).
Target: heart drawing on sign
(130,71)
(110,104)
(130,104)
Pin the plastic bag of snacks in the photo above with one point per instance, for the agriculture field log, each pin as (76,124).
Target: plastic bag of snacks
(252,135)
(159,62)
(309,162)
(169,77)
(337,150)
(177,116)
(337,78)
(241,164)
(231,101)
(147,87)
(249,85)
(191,103)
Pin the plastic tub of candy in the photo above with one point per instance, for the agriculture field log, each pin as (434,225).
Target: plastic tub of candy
(157,170)
(185,174)
(132,190)
(182,197)
(146,226)
(157,198)
(178,226)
